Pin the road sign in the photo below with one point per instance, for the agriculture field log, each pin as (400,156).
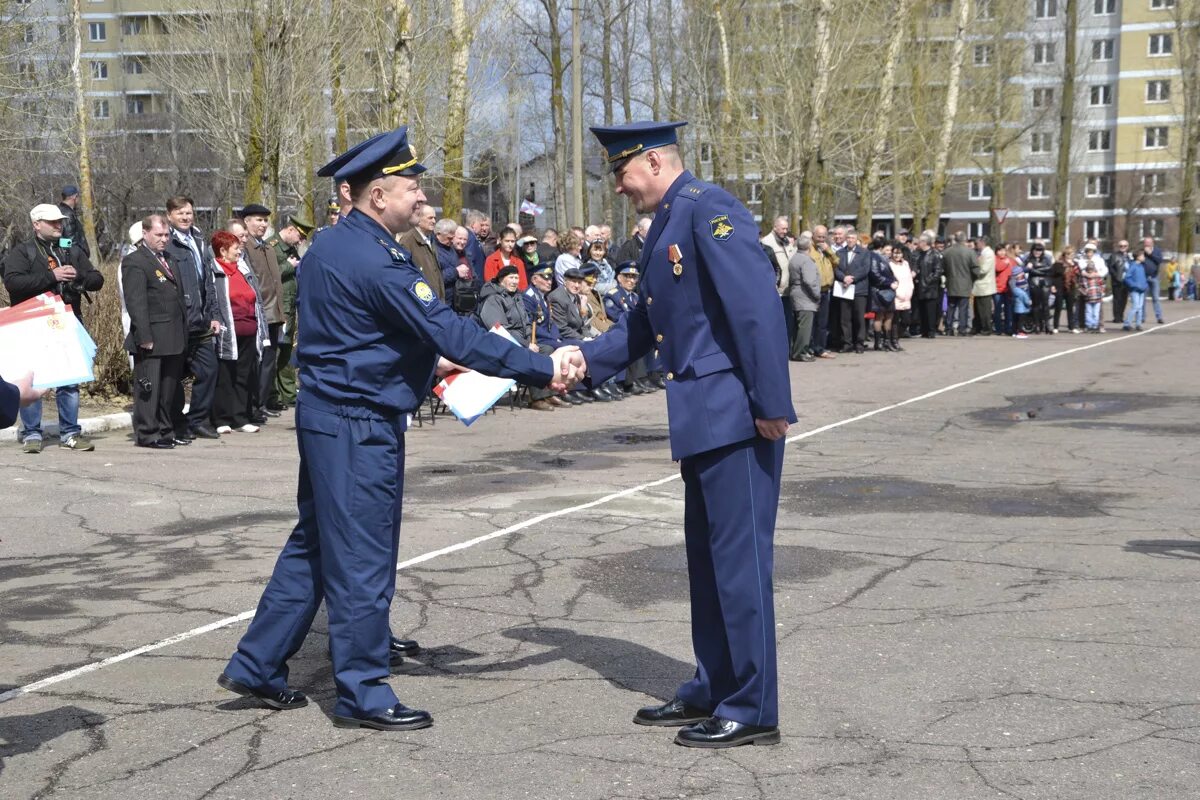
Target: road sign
(1000,214)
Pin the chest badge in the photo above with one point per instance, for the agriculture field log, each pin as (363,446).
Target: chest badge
(675,256)
(161,278)
(721,227)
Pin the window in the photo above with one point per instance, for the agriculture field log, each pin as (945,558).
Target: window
(1100,95)
(1045,9)
(976,230)
(982,146)
(1098,186)
(99,70)
(1156,137)
(1043,97)
(1158,91)
(100,109)
(135,106)
(1039,230)
(1154,183)
(756,190)
(705,153)
(134,66)
(1103,49)
(97,32)
(1040,142)
(941,8)
(979,190)
(1161,44)
(1103,8)
(28,34)
(133,26)
(1043,52)
(1159,5)
(1097,228)
(983,55)
(1099,141)
(1038,189)
(984,10)
(1150,227)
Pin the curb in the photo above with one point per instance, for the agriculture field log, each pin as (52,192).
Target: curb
(90,425)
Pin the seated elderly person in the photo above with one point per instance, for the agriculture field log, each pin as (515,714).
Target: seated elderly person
(502,305)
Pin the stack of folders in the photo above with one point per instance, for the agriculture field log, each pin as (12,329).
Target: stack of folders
(43,336)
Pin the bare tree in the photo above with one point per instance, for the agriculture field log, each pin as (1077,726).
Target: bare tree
(1066,124)
(456,109)
(1187,31)
(883,114)
(941,160)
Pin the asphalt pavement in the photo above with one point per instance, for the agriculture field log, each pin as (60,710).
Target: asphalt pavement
(986,587)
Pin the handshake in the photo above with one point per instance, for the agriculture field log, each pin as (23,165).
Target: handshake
(569,368)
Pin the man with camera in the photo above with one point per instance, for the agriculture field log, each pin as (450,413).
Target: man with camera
(50,262)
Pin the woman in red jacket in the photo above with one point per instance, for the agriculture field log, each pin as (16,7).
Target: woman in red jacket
(503,256)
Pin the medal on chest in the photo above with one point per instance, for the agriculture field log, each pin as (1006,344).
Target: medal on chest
(675,256)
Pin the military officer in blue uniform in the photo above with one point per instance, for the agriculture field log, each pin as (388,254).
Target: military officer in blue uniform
(709,305)
(623,296)
(367,350)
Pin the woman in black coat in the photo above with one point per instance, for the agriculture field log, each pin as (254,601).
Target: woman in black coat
(883,294)
(927,266)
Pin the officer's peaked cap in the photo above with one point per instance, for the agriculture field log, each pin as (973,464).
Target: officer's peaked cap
(625,141)
(386,154)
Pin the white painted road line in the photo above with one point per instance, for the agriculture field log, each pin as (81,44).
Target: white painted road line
(487,537)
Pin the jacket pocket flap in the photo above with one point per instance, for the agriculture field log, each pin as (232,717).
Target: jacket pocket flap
(318,422)
(713,362)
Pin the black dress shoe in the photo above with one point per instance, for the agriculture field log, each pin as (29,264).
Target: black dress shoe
(633,387)
(583,396)
(283,701)
(270,412)
(403,647)
(601,395)
(573,399)
(204,432)
(669,715)
(659,382)
(161,444)
(398,718)
(185,435)
(259,419)
(715,732)
(179,442)
(278,408)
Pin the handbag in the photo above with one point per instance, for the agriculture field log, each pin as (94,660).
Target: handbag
(886,296)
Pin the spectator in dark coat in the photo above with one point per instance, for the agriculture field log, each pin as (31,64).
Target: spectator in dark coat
(631,250)
(804,293)
(547,248)
(928,271)
(854,269)
(501,304)
(1153,263)
(72,228)
(960,264)
(158,334)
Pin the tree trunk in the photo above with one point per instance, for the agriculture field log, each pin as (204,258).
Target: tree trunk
(337,67)
(1066,121)
(578,194)
(456,110)
(557,115)
(402,66)
(606,81)
(814,140)
(725,116)
(941,160)
(1187,31)
(86,205)
(882,117)
(252,166)
(655,78)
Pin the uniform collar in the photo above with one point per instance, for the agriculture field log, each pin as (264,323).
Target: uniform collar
(683,180)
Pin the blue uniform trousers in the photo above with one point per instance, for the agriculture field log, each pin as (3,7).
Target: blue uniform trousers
(731,495)
(342,550)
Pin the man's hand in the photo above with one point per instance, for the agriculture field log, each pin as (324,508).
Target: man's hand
(446,367)
(464,271)
(28,393)
(295,262)
(65,273)
(215,327)
(849,279)
(569,368)
(147,346)
(772,429)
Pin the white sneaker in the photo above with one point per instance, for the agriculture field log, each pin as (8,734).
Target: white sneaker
(248,428)
(224,429)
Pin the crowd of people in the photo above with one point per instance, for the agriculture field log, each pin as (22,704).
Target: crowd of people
(839,292)
(221,308)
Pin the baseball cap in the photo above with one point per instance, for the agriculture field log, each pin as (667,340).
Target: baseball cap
(46,212)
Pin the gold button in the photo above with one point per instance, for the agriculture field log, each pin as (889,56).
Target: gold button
(670,376)
(658,338)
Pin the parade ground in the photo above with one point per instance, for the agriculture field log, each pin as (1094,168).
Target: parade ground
(986,575)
